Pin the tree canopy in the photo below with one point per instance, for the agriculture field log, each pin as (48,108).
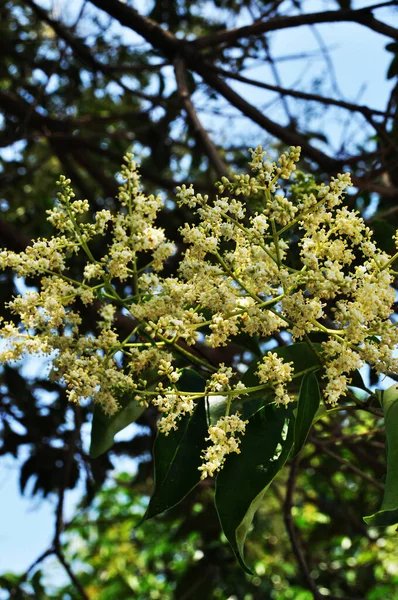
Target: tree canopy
(83,83)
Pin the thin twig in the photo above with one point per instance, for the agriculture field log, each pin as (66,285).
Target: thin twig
(348,465)
(292,532)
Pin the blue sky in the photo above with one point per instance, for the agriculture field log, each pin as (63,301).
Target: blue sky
(360,60)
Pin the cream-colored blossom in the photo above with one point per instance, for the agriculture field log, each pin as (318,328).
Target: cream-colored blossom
(275,372)
(224,440)
(175,407)
(236,276)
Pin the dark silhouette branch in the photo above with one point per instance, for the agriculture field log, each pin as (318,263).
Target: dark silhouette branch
(347,464)
(361,16)
(56,547)
(171,46)
(150,30)
(365,110)
(199,131)
(285,134)
(293,534)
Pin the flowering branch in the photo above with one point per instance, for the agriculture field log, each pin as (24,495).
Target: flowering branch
(235,277)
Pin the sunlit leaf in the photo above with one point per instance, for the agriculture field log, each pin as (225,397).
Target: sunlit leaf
(104,428)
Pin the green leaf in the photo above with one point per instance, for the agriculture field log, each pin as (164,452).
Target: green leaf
(357,380)
(104,428)
(388,512)
(307,407)
(245,478)
(301,354)
(246,406)
(177,456)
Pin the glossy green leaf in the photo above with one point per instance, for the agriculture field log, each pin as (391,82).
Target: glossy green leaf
(307,407)
(244,480)
(388,512)
(357,380)
(104,428)
(177,456)
(301,354)
(246,405)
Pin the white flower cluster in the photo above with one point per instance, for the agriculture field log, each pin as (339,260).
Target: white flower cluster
(223,440)
(235,277)
(274,371)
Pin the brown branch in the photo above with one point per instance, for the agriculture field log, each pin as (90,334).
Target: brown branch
(15,591)
(369,186)
(293,534)
(62,32)
(49,126)
(361,16)
(71,574)
(73,143)
(285,134)
(19,107)
(59,521)
(127,68)
(365,110)
(150,30)
(199,131)
(81,50)
(295,539)
(171,46)
(382,215)
(348,465)
(56,548)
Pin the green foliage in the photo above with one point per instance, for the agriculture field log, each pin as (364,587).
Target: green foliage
(177,456)
(388,512)
(105,427)
(244,481)
(77,109)
(307,407)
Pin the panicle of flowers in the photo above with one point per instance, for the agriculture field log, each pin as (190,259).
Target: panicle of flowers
(275,372)
(166,368)
(224,440)
(234,277)
(266,173)
(173,406)
(220,383)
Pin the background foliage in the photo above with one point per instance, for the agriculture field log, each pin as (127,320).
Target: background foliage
(80,83)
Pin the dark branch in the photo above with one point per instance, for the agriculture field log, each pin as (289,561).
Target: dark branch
(293,534)
(361,16)
(199,131)
(285,134)
(365,110)
(151,31)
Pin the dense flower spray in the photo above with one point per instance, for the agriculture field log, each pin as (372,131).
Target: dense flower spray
(237,275)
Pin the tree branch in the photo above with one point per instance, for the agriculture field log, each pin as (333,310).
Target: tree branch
(199,131)
(150,30)
(365,110)
(361,16)
(348,465)
(163,40)
(293,534)
(285,134)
